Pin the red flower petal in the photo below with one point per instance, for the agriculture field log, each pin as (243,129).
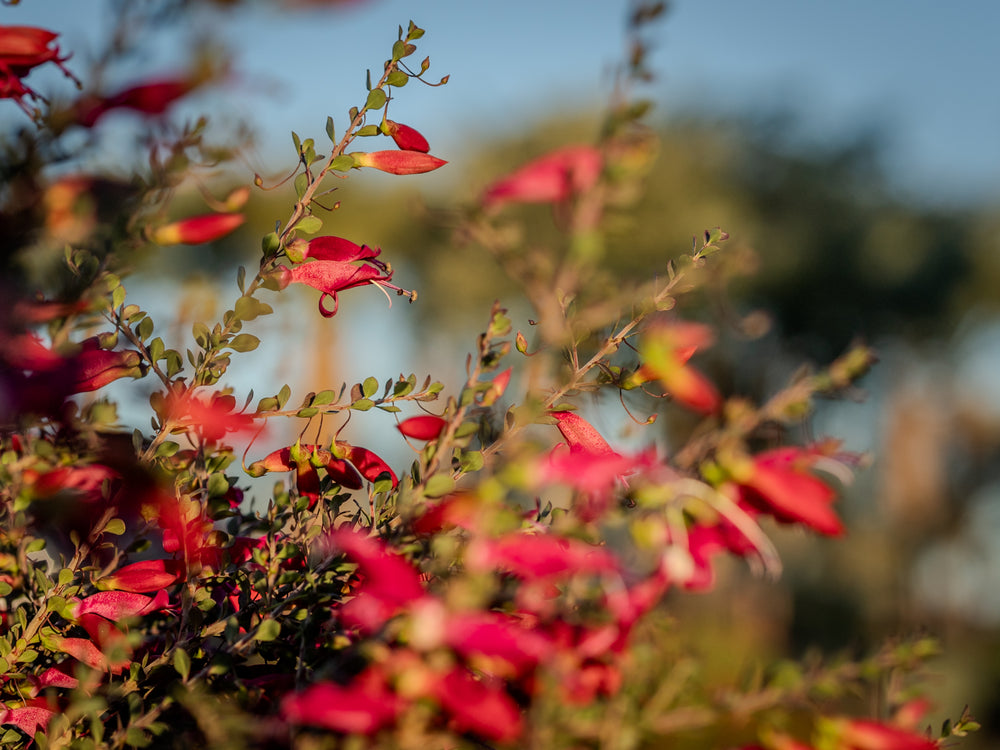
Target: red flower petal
(145,576)
(550,178)
(398,162)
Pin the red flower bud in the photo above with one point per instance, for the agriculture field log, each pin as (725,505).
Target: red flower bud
(406,137)
(398,162)
(197,229)
(422,428)
(151,98)
(21,49)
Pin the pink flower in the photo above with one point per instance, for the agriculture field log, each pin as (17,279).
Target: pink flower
(552,178)
(426,427)
(197,230)
(398,162)
(863,734)
(29,718)
(406,137)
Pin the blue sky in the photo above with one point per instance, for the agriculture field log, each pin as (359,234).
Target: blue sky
(920,71)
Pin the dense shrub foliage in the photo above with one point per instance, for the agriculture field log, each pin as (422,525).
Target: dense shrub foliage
(509,588)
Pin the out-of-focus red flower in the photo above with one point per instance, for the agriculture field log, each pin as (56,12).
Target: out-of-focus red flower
(211,418)
(481,706)
(85,651)
(151,98)
(539,556)
(23,48)
(551,178)
(406,137)
(334,269)
(363,706)
(388,581)
(398,162)
(778,482)
(581,436)
(463,510)
(426,427)
(196,230)
(864,734)
(665,350)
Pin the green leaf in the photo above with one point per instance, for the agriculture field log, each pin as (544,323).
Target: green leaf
(398,50)
(245,342)
(369,387)
(145,328)
(267,404)
(116,527)
(343,163)
(471,461)
(324,397)
(174,363)
(309,224)
(182,663)
(414,32)
(283,395)
(309,411)
(268,630)
(297,142)
(376,99)
(363,404)
(301,183)
(439,485)
(5,588)
(369,130)
(201,334)
(331,133)
(270,243)
(397,78)
(218,485)
(118,297)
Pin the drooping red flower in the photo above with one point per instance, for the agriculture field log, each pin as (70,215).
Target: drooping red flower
(117,605)
(778,482)
(551,178)
(581,435)
(197,230)
(425,427)
(398,162)
(86,652)
(406,138)
(28,718)
(333,269)
(23,48)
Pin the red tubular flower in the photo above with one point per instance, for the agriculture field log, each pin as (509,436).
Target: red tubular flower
(212,418)
(94,368)
(398,162)
(333,269)
(552,178)
(85,651)
(862,734)
(367,463)
(145,576)
(197,229)
(29,719)
(777,482)
(152,98)
(116,605)
(665,351)
(406,137)
(23,48)
(426,427)
(581,436)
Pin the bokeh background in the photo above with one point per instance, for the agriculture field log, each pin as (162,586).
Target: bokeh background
(851,149)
